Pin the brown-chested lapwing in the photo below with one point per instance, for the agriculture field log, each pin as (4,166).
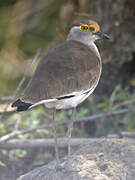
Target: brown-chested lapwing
(66,75)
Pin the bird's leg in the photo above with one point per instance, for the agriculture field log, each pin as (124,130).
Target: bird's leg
(64,166)
(18,122)
(55,137)
(69,132)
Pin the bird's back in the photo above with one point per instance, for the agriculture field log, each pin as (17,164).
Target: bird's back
(69,67)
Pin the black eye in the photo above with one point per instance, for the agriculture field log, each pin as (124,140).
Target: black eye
(84,28)
(93,29)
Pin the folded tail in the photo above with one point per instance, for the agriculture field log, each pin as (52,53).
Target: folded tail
(21,106)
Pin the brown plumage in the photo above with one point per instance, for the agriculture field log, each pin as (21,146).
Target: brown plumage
(69,67)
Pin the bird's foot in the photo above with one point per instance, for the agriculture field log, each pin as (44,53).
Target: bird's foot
(65,167)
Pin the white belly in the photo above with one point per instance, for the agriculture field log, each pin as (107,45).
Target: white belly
(68,102)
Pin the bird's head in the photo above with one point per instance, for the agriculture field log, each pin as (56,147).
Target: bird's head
(86,31)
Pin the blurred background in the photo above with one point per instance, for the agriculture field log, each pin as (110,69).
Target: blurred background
(26,27)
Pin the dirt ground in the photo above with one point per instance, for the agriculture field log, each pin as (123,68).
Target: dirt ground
(104,159)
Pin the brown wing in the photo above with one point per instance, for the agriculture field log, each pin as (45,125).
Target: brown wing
(69,67)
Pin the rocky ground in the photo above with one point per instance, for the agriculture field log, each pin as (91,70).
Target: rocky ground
(104,159)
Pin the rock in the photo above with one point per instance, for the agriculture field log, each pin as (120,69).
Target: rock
(106,159)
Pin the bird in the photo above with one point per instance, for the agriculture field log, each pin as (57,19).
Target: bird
(66,75)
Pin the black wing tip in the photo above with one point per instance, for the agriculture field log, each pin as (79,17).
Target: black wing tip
(16,103)
(21,106)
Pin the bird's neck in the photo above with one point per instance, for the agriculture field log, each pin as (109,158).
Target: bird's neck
(77,36)
(93,46)
(90,43)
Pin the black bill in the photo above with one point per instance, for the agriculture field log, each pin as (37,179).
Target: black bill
(103,35)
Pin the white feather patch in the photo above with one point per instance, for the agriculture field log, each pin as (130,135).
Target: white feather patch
(65,103)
